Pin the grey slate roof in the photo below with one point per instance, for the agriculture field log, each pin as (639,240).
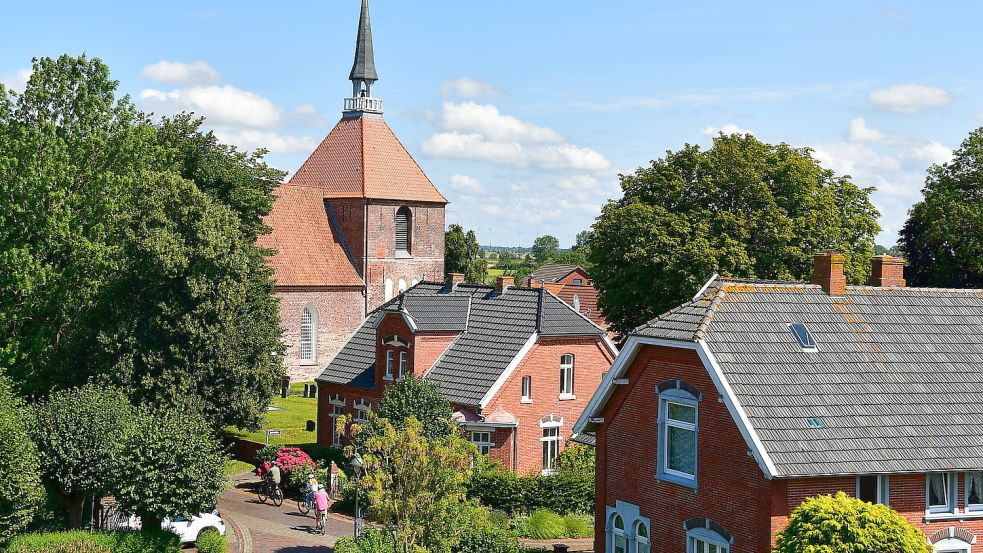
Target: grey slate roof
(363,69)
(897,381)
(552,273)
(494,327)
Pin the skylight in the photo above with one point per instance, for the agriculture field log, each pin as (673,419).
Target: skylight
(815,423)
(805,337)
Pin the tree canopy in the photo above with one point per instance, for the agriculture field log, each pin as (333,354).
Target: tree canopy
(462,254)
(943,237)
(742,208)
(545,248)
(127,250)
(413,397)
(21,492)
(843,524)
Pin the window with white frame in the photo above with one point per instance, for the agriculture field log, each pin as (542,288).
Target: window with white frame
(873,488)
(578,281)
(308,333)
(526,389)
(641,538)
(940,496)
(974,491)
(566,376)
(402,285)
(677,437)
(402,364)
(337,404)
(618,541)
(390,355)
(706,541)
(389,289)
(482,439)
(362,409)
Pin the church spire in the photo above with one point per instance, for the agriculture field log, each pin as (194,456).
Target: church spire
(363,74)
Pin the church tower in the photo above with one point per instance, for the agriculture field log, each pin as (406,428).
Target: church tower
(355,225)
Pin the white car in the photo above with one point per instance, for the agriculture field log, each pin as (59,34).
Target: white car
(187,530)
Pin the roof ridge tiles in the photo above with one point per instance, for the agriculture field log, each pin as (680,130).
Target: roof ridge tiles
(718,298)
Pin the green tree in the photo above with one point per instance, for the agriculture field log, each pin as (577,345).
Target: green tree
(506,260)
(169,465)
(81,432)
(578,258)
(416,485)
(128,247)
(892,251)
(416,398)
(583,237)
(743,208)
(545,248)
(943,237)
(462,254)
(842,524)
(21,492)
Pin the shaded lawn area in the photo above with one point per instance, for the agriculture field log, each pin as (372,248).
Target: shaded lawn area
(289,417)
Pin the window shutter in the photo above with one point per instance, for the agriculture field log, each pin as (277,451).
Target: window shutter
(403,229)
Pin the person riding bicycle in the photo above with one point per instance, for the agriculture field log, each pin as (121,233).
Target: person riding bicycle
(311,488)
(320,503)
(275,474)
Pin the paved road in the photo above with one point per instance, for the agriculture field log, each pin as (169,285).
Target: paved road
(263,528)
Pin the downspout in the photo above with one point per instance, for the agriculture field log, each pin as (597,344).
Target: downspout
(365,257)
(515,449)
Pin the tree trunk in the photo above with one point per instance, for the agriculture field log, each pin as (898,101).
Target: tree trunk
(149,523)
(76,502)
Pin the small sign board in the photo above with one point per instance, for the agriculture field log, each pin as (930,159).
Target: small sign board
(271,433)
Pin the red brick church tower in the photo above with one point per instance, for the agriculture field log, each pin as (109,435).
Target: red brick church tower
(355,225)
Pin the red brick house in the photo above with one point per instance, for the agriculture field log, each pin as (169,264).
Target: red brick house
(719,417)
(573,285)
(356,224)
(517,364)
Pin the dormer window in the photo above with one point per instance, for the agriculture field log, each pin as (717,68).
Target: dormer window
(804,337)
(404,227)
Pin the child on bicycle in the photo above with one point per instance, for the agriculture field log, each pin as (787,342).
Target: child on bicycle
(311,488)
(320,504)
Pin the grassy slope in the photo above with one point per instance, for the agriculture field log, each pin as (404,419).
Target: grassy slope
(291,420)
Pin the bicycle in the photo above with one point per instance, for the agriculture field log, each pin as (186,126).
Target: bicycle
(304,505)
(321,526)
(271,491)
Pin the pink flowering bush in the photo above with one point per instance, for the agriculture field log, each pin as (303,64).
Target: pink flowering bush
(296,465)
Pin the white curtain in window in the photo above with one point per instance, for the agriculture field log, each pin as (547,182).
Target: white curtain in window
(938,489)
(974,488)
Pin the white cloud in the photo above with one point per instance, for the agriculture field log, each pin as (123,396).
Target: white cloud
(464,183)
(221,105)
(466,87)
(860,132)
(621,104)
(196,73)
(933,152)
(910,98)
(854,159)
(486,120)
(276,143)
(729,128)
(309,115)
(17,80)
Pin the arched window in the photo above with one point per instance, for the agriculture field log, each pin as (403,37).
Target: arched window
(566,376)
(402,285)
(389,288)
(702,540)
(404,230)
(616,531)
(308,335)
(641,538)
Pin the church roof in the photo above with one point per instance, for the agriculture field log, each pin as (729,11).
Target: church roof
(309,250)
(362,158)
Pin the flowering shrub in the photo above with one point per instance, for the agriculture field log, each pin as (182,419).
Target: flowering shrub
(291,457)
(296,465)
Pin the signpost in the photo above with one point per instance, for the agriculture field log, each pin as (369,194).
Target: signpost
(271,433)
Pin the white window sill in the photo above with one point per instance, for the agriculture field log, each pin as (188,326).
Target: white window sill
(525,400)
(308,362)
(953,516)
(567,397)
(548,472)
(403,254)
(387,378)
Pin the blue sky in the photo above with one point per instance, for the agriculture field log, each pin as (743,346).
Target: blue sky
(523,113)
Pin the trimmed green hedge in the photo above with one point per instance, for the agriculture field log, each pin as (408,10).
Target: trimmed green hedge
(372,541)
(211,542)
(96,542)
(562,493)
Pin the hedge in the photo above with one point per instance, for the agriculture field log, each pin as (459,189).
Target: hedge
(96,542)
(562,493)
(211,542)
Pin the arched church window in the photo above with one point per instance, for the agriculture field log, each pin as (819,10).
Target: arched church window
(308,334)
(404,229)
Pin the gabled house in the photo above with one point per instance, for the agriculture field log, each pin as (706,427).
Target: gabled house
(517,364)
(571,284)
(719,417)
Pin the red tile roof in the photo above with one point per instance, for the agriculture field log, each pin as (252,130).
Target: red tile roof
(588,301)
(362,158)
(308,251)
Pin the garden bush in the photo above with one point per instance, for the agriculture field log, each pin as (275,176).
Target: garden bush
(579,526)
(295,466)
(268,453)
(96,542)
(211,542)
(544,525)
(372,541)
(566,492)
(487,541)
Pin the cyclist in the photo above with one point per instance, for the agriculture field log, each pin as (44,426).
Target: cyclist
(320,506)
(311,488)
(275,474)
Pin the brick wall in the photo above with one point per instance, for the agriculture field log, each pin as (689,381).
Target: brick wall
(349,214)
(591,360)
(577,274)
(324,407)
(339,314)
(426,248)
(732,490)
(428,347)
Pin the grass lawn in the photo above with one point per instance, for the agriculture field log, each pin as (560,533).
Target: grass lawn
(289,417)
(233,466)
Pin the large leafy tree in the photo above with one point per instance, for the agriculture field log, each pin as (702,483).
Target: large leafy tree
(462,254)
(168,465)
(742,208)
(943,237)
(843,524)
(127,246)
(21,492)
(81,432)
(545,248)
(415,398)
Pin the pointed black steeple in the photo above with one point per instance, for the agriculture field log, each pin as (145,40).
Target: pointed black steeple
(364,67)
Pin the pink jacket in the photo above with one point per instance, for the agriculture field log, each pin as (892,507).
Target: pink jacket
(321,500)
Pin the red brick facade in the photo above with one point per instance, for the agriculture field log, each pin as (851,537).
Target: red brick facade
(732,489)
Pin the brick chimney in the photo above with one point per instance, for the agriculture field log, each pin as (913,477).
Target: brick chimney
(452,280)
(503,283)
(827,271)
(887,271)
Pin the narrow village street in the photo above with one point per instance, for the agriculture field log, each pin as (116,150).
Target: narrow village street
(264,528)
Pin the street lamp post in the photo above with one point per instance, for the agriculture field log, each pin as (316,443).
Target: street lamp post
(357,465)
